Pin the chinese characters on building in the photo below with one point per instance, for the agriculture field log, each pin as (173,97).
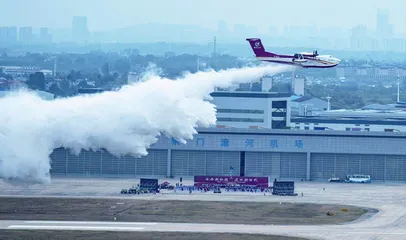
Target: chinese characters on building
(225,142)
(175,142)
(299,143)
(249,142)
(274,143)
(200,142)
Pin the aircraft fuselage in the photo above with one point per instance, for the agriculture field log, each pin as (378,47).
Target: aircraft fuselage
(323,61)
(302,59)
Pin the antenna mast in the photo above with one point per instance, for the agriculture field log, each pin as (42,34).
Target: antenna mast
(214,46)
(55,66)
(398,97)
(328,103)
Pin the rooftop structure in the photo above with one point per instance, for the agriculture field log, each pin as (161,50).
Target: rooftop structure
(252,109)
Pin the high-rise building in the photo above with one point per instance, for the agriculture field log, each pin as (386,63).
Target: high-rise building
(8,35)
(80,32)
(26,35)
(45,36)
(222,27)
(358,37)
(382,19)
(383,27)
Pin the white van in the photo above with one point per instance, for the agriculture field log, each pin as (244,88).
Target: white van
(358,178)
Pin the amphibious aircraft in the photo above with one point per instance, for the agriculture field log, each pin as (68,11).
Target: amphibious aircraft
(303,59)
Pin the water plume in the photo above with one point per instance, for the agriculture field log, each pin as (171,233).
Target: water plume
(126,121)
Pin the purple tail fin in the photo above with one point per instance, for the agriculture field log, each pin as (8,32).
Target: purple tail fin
(259,49)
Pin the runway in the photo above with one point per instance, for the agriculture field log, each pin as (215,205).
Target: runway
(388,223)
(313,232)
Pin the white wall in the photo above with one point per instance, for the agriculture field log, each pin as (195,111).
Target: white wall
(298,86)
(266,84)
(314,106)
(342,127)
(42,94)
(132,77)
(243,103)
(264,104)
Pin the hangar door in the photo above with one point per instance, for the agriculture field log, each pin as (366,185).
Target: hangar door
(276,165)
(293,165)
(204,163)
(219,163)
(259,164)
(153,164)
(395,168)
(325,166)
(58,162)
(87,163)
(90,163)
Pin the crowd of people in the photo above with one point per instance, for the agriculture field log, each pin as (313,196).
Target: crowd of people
(225,188)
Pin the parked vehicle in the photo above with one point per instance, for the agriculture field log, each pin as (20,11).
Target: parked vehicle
(335,179)
(358,178)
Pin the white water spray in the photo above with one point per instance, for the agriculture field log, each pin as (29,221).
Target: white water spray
(126,121)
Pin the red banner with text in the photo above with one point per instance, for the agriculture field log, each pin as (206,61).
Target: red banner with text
(233,180)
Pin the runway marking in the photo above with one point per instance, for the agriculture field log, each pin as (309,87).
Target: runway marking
(41,227)
(87,222)
(372,232)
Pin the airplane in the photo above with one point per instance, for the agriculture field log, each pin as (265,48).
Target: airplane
(303,59)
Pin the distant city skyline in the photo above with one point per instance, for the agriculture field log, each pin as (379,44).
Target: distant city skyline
(314,24)
(105,15)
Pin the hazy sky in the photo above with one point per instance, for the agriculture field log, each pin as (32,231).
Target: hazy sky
(109,14)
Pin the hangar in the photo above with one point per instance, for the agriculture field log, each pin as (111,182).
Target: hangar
(276,153)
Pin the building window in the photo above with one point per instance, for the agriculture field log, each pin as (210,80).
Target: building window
(347,129)
(279,104)
(366,125)
(278,124)
(297,127)
(240,111)
(366,129)
(297,123)
(316,124)
(279,114)
(306,128)
(225,119)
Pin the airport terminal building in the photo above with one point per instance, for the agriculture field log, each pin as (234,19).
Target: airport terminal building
(277,153)
(251,139)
